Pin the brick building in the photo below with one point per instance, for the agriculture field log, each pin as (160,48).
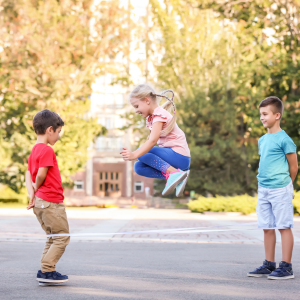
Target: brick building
(107,178)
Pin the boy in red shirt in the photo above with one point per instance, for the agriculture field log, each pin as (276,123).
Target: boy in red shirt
(45,190)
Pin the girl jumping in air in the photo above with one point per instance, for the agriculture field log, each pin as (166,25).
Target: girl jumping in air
(171,160)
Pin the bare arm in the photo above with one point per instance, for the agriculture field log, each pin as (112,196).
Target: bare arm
(293,164)
(30,189)
(147,146)
(28,181)
(40,177)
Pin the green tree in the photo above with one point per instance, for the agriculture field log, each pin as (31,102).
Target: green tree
(50,54)
(199,62)
(269,43)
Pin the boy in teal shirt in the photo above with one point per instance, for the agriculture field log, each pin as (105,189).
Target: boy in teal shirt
(277,170)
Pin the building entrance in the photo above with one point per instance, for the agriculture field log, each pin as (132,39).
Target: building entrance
(109,184)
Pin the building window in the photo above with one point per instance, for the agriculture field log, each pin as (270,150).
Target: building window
(118,122)
(109,100)
(109,144)
(109,182)
(78,185)
(138,187)
(119,100)
(109,123)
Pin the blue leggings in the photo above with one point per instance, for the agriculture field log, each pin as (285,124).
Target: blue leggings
(158,160)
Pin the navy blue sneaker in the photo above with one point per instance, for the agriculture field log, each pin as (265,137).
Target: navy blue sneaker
(263,271)
(51,277)
(284,271)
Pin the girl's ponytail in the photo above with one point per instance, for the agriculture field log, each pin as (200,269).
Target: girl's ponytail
(167,105)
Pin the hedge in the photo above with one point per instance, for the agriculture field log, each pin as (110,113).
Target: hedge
(244,204)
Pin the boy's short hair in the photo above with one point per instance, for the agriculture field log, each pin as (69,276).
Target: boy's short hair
(44,119)
(275,102)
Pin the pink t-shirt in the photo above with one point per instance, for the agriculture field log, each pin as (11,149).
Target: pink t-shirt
(175,139)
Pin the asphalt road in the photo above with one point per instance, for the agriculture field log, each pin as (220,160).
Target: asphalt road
(144,271)
(193,266)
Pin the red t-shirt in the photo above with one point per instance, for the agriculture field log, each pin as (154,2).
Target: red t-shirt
(43,156)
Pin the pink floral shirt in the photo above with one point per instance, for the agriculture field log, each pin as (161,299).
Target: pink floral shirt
(175,139)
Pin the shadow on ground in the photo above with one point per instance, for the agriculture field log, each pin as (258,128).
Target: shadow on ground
(144,271)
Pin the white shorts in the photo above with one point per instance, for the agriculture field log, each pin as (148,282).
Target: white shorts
(275,207)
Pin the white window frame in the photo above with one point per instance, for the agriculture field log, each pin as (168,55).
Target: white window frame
(139,183)
(78,182)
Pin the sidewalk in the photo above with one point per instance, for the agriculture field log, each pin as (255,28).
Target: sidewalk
(21,225)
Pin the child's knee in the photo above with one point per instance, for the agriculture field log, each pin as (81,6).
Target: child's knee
(137,167)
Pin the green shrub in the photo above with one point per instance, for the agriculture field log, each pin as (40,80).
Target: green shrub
(244,204)
(296,204)
(8,195)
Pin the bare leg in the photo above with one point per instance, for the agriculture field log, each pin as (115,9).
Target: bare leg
(270,242)
(287,241)
(171,169)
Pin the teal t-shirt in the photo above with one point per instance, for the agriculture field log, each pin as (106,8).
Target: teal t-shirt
(273,171)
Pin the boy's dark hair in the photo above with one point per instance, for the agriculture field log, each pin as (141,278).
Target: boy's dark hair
(44,119)
(275,102)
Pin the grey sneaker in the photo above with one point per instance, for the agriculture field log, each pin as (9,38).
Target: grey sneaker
(263,271)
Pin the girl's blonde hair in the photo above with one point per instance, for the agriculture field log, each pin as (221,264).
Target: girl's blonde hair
(144,90)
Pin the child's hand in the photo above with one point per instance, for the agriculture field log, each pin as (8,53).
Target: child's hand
(127,155)
(34,186)
(32,202)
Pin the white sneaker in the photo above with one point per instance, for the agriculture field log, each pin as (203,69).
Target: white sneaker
(173,179)
(47,283)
